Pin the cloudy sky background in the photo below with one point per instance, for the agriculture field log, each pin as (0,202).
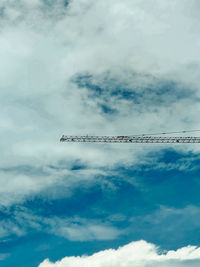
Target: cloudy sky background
(108,67)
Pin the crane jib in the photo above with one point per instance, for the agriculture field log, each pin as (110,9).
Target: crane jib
(130,139)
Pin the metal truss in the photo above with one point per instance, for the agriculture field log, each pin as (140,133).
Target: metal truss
(129,139)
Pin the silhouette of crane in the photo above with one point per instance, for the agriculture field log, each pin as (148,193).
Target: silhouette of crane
(143,138)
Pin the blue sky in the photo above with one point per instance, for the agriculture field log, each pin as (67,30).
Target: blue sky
(101,68)
(163,209)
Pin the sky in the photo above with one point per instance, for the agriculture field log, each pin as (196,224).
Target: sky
(107,67)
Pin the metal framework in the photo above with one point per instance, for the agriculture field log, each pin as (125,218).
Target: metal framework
(130,139)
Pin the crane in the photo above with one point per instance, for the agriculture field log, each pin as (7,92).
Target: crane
(143,138)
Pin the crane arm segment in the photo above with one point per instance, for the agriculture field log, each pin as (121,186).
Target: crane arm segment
(130,139)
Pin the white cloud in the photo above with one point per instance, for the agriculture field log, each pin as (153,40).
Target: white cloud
(135,254)
(138,43)
(18,183)
(74,229)
(83,230)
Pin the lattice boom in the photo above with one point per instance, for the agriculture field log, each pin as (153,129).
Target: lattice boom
(129,139)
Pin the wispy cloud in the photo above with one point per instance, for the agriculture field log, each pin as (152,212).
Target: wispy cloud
(84,230)
(4,256)
(22,221)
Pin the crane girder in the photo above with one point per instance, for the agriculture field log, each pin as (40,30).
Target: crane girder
(129,139)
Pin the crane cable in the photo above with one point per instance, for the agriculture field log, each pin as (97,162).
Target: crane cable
(190,131)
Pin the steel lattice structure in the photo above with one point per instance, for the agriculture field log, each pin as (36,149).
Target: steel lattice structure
(130,139)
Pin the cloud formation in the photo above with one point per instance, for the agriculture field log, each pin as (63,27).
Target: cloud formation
(135,254)
(74,229)
(129,48)
(93,67)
